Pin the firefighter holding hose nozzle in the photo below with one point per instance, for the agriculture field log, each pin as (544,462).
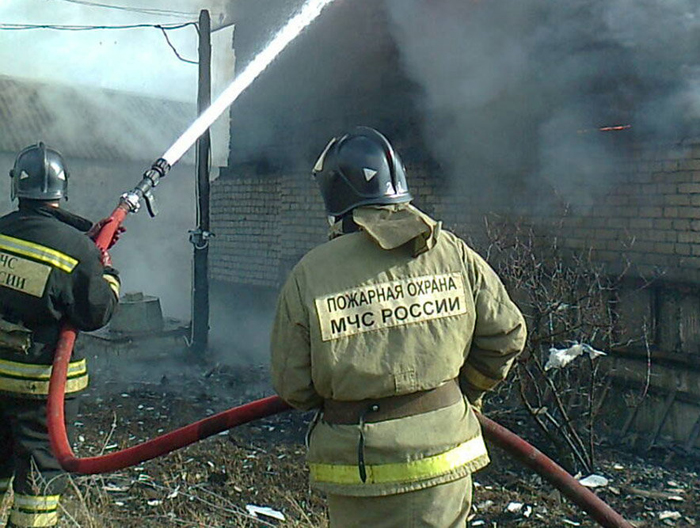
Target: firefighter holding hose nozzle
(49,272)
(393,330)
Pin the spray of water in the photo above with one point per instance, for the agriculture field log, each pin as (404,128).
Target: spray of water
(287,34)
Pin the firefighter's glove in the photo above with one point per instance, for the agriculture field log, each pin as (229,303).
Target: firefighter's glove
(105,259)
(477,404)
(94,231)
(474,396)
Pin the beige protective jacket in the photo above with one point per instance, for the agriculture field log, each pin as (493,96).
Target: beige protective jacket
(398,307)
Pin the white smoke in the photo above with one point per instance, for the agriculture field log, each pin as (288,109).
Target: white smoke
(138,61)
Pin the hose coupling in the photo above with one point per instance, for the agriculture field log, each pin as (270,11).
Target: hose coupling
(132,201)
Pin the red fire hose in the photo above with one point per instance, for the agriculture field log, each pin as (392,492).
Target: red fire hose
(533,458)
(513,444)
(153,448)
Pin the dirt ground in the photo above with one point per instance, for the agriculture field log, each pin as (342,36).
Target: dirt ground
(223,480)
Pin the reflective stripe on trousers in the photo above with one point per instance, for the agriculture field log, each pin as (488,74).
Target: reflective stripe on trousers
(425,468)
(30,511)
(26,378)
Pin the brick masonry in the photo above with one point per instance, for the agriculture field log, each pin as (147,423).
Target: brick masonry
(649,218)
(265,222)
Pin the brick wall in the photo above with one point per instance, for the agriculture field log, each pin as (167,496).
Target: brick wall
(263,225)
(245,249)
(647,221)
(649,218)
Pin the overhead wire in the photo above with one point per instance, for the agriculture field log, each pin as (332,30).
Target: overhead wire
(69,27)
(144,10)
(172,47)
(164,28)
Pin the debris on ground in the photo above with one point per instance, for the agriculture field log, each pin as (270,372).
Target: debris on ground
(254,475)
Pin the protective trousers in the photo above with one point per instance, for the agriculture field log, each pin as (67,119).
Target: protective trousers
(25,454)
(442,506)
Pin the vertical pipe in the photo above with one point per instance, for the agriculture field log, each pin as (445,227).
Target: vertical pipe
(200,237)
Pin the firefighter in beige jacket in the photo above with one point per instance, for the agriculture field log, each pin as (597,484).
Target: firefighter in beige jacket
(390,330)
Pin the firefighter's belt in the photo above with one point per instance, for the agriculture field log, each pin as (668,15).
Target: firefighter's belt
(16,337)
(392,407)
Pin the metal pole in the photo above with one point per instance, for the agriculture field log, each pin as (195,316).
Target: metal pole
(200,236)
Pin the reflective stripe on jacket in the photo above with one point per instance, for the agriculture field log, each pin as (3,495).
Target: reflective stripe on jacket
(49,272)
(422,469)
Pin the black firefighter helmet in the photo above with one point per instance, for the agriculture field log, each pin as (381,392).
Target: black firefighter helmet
(39,173)
(360,168)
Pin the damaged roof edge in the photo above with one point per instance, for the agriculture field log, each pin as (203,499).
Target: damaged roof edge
(90,123)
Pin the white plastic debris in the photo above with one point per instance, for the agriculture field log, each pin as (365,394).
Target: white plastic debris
(115,488)
(264,510)
(519,508)
(485,505)
(594,481)
(479,522)
(571,523)
(673,515)
(561,357)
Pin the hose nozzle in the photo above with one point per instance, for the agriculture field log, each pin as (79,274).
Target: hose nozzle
(132,199)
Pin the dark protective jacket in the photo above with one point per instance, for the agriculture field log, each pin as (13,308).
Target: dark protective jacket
(399,307)
(49,270)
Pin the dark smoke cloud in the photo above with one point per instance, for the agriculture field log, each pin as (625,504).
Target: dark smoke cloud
(521,88)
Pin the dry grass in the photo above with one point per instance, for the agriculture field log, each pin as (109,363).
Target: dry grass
(209,484)
(5,507)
